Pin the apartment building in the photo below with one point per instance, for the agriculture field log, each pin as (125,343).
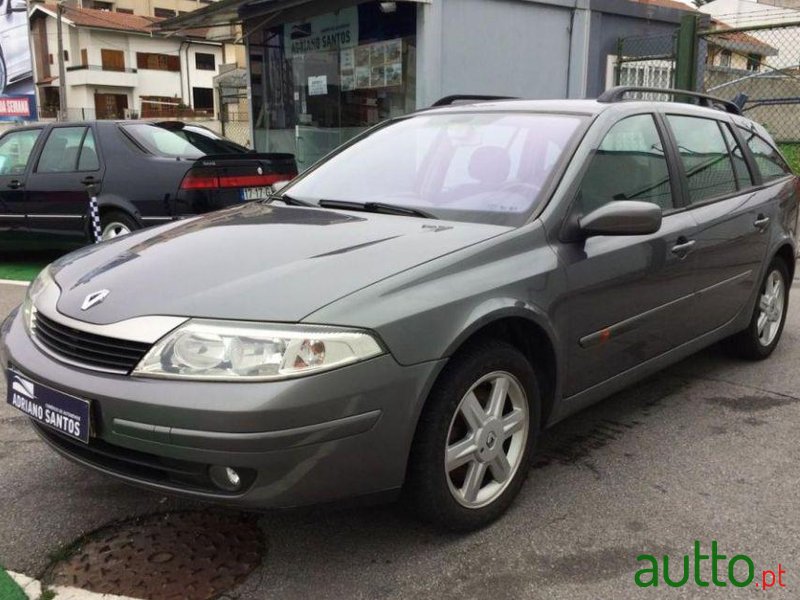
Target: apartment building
(116,67)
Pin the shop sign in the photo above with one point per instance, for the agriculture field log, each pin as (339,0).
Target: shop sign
(324,33)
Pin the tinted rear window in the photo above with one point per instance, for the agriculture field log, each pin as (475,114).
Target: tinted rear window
(180,143)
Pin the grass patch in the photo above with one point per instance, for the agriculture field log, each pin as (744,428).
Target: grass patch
(9,590)
(24,265)
(792,154)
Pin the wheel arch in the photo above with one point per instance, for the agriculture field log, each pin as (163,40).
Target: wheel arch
(786,252)
(528,332)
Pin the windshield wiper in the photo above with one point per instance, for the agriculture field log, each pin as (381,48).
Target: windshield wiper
(376,207)
(286,200)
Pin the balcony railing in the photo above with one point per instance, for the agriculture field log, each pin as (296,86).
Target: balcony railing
(101,68)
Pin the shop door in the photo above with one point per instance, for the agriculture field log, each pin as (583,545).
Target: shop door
(110,106)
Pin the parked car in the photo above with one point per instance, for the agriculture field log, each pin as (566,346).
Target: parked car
(416,308)
(144,174)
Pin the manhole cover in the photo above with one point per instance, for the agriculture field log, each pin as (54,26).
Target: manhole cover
(180,556)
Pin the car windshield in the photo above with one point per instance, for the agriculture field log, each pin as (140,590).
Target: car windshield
(476,167)
(177,144)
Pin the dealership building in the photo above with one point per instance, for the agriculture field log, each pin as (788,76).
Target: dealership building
(320,72)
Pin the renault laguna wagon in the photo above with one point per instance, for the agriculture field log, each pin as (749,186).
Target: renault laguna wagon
(405,317)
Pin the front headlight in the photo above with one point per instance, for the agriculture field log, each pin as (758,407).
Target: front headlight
(240,351)
(41,283)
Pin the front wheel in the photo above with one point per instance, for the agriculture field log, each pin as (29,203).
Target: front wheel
(761,337)
(473,445)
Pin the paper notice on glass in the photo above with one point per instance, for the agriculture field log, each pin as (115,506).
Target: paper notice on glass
(348,59)
(348,81)
(318,86)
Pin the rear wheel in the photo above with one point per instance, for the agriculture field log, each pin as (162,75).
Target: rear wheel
(114,224)
(473,445)
(761,337)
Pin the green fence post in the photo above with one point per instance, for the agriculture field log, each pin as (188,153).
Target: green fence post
(686,54)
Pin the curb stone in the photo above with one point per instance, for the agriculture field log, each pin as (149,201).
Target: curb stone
(33,589)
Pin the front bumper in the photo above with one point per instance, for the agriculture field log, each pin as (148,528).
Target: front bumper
(322,438)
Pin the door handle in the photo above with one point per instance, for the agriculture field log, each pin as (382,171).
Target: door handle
(761,223)
(89,180)
(15,184)
(683,247)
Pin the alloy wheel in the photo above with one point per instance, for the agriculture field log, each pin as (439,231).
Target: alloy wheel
(114,230)
(771,305)
(486,439)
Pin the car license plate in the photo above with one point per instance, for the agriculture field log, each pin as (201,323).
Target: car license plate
(64,413)
(255,193)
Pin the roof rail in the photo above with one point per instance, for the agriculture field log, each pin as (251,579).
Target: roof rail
(468,99)
(617,94)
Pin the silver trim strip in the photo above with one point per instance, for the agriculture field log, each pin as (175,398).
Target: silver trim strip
(147,330)
(12,216)
(55,216)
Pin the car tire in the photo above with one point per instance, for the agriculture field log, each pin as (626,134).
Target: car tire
(444,493)
(763,333)
(115,223)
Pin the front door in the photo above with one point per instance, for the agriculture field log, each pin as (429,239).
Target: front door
(110,106)
(16,150)
(626,293)
(57,188)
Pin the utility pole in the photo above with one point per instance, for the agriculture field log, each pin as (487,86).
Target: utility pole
(62,71)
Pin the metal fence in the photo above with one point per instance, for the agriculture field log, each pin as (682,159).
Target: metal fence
(760,68)
(646,61)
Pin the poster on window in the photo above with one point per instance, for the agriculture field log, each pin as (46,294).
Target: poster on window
(17,99)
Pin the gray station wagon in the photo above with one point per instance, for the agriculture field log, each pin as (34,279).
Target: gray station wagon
(405,317)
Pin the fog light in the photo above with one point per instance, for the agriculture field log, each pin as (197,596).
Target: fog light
(226,478)
(233,477)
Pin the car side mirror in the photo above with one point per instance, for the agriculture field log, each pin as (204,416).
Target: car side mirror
(622,217)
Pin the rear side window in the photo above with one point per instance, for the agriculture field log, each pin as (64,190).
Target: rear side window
(705,158)
(15,151)
(739,163)
(62,150)
(629,165)
(769,162)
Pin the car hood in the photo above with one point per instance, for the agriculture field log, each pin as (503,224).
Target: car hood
(252,262)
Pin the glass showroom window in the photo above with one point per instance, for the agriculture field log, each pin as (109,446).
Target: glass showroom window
(320,82)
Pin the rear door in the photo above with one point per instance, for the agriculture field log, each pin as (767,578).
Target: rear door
(732,217)
(57,199)
(16,151)
(627,294)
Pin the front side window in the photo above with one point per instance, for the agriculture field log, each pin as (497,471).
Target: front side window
(769,162)
(705,158)
(482,167)
(629,165)
(60,153)
(15,151)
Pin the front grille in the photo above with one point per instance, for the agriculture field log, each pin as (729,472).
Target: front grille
(142,466)
(87,349)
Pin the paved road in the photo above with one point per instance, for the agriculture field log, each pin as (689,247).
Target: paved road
(708,450)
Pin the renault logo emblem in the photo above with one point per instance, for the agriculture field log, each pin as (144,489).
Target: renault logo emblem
(94,298)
